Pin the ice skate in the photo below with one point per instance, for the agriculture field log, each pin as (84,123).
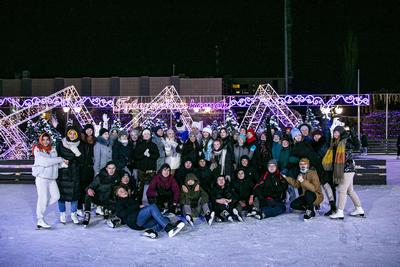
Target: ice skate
(99,211)
(258,216)
(358,212)
(309,215)
(41,224)
(332,210)
(237,215)
(210,217)
(172,230)
(86,219)
(80,213)
(337,215)
(74,218)
(113,222)
(150,233)
(189,219)
(63,218)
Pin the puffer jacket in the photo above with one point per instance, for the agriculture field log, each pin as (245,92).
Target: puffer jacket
(103,184)
(46,164)
(193,197)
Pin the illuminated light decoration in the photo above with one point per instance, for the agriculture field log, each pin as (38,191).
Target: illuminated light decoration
(15,138)
(168,99)
(338,110)
(66,109)
(266,97)
(77,109)
(125,104)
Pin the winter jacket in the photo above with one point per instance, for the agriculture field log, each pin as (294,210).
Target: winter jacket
(127,209)
(172,153)
(123,155)
(352,143)
(271,187)
(243,188)
(159,185)
(102,154)
(227,192)
(205,177)
(160,143)
(310,183)
(87,171)
(181,173)
(251,173)
(143,162)
(256,161)
(206,146)
(46,164)
(191,151)
(222,163)
(364,140)
(238,152)
(193,197)
(103,184)
(69,178)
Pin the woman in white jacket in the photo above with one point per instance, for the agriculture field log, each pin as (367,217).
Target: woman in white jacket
(173,149)
(45,169)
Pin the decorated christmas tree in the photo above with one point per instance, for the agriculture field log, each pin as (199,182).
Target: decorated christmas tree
(311,119)
(231,122)
(31,134)
(215,125)
(44,126)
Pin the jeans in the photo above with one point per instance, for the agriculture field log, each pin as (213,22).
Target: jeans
(304,202)
(61,206)
(292,193)
(151,217)
(273,208)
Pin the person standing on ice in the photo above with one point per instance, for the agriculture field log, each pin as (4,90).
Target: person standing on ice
(159,140)
(173,148)
(69,178)
(207,143)
(102,150)
(45,171)
(339,159)
(308,181)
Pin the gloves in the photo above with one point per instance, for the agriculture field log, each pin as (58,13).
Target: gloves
(228,178)
(146,153)
(253,148)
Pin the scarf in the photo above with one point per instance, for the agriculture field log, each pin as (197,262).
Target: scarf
(338,163)
(40,145)
(73,146)
(103,141)
(250,140)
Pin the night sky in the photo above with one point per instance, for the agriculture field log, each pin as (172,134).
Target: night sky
(100,40)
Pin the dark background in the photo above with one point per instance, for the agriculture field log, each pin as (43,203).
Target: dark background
(100,40)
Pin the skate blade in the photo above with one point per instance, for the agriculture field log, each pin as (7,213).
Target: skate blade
(38,227)
(359,216)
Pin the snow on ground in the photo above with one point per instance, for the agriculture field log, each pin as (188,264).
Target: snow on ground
(282,241)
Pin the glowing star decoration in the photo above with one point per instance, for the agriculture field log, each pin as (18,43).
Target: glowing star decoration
(326,112)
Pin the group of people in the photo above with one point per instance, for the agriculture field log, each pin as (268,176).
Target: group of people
(143,177)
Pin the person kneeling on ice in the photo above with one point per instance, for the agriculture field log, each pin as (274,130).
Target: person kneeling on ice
(100,191)
(224,201)
(243,187)
(138,217)
(164,190)
(312,196)
(194,200)
(270,192)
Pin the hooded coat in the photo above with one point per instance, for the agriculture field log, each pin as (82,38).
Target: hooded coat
(193,197)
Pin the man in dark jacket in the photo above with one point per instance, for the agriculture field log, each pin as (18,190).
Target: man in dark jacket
(250,171)
(243,188)
(100,191)
(271,192)
(224,201)
(186,168)
(123,152)
(205,176)
(146,155)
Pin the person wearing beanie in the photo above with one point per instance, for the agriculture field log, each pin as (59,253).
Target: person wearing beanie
(308,181)
(222,161)
(224,201)
(45,170)
(288,164)
(123,152)
(206,143)
(243,188)
(102,150)
(173,148)
(68,180)
(86,166)
(296,135)
(134,137)
(240,149)
(159,140)
(191,149)
(254,148)
(164,190)
(270,193)
(339,161)
(100,191)
(305,130)
(145,156)
(194,200)
(186,167)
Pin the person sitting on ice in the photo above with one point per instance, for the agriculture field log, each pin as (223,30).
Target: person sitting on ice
(100,191)
(186,167)
(221,161)
(270,193)
(194,200)
(224,201)
(308,181)
(164,190)
(173,148)
(243,188)
(139,217)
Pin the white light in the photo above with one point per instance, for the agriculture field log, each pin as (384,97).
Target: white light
(338,110)
(196,110)
(77,109)
(207,109)
(66,109)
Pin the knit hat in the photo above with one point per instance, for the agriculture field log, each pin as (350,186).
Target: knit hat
(245,157)
(305,125)
(146,131)
(251,130)
(156,128)
(122,133)
(207,129)
(102,131)
(88,126)
(273,161)
(294,132)
(135,132)
(74,130)
(317,131)
(340,129)
(242,136)
(305,160)
(286,138)
(190,176)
